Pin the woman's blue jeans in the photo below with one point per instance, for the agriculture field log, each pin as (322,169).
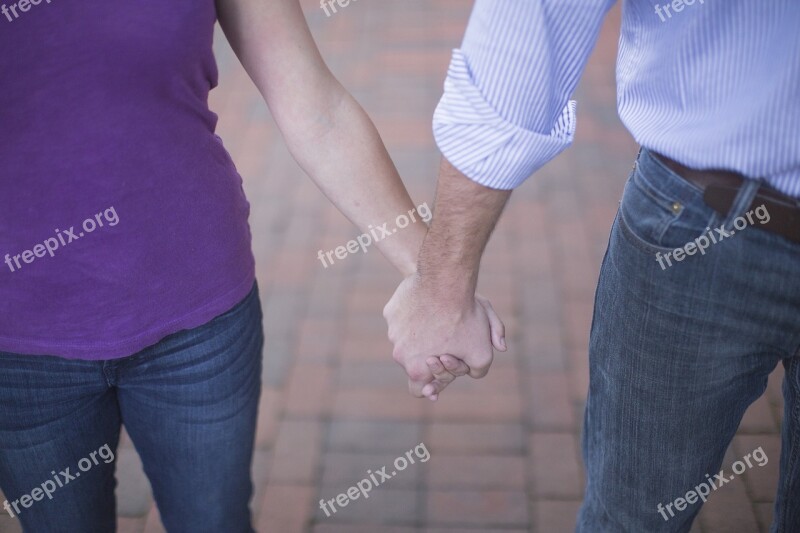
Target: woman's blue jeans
(678,353)
(188,403)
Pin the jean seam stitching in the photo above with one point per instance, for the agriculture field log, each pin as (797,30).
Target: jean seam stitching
(637,241)
(793,445)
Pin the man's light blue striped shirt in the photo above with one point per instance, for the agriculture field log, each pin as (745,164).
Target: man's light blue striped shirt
(712,84)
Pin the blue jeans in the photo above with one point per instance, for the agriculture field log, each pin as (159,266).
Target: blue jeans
(678,353)
(188,403)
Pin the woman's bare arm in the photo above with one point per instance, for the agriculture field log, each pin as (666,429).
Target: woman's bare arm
(326,130)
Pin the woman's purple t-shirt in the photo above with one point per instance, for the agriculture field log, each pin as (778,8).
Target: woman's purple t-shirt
(122,216)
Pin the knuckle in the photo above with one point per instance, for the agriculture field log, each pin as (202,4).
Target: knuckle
(416,373)
(446,379)
(451,364)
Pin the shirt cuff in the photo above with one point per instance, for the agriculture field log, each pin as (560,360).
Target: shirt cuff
(475,138)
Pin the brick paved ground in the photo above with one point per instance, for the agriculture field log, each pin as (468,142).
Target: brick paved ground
(505,450)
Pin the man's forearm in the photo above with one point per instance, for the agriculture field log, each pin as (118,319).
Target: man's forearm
(465,216)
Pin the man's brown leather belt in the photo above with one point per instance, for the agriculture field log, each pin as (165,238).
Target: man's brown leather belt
(720,188)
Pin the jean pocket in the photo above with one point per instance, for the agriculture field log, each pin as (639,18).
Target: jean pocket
(663,218)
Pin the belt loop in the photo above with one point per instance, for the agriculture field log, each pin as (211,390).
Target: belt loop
(745,196)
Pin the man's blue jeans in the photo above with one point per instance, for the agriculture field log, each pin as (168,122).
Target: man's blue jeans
(678,354)
(188,403)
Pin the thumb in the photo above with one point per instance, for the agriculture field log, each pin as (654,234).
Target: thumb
(496,326)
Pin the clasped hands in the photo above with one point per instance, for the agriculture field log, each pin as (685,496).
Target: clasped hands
(438,337)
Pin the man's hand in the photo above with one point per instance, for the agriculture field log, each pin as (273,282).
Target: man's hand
(423,326)
(435,312)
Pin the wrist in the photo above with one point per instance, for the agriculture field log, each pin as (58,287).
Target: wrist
(446,271)
(452,289)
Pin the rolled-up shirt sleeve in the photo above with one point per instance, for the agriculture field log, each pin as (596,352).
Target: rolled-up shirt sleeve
(506,110)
